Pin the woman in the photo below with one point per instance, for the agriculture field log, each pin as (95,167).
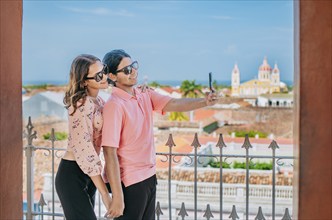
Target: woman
(79,172)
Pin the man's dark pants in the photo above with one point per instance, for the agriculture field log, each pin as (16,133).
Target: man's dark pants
(140,200)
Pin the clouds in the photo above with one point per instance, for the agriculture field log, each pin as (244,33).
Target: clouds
(171,39)
(102,11)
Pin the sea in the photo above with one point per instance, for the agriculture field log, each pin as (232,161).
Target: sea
(172,83)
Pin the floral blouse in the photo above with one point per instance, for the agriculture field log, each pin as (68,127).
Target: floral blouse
(85,129)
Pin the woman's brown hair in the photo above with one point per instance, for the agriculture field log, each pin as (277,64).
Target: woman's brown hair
(77,91)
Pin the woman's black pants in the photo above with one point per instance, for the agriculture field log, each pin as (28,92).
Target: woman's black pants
(76,191)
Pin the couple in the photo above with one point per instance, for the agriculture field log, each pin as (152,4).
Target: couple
(123,127)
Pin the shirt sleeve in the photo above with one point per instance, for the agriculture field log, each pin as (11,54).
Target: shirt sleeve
(158,101)
(113,116)
(102,101)
(81,139)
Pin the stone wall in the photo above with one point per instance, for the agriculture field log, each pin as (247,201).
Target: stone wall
(229,176)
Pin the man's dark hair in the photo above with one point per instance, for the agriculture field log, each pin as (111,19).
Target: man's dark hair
(112,59)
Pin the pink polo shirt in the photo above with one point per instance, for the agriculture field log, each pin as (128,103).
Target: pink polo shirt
(128,126)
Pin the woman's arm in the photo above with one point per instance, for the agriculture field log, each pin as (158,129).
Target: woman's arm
(101,187)
(113,175)
(80,140)
(81,144)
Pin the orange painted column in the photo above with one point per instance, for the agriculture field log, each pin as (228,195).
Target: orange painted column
(11,151)
(312,127)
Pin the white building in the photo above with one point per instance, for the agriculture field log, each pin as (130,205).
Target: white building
(45,104)
(168,91)
(48,104)
(275,100)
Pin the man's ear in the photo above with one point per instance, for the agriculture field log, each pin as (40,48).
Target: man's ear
(112,77)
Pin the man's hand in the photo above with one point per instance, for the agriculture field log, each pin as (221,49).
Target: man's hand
(113,173)
(211,98)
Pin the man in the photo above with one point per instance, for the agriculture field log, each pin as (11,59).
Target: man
(127,138)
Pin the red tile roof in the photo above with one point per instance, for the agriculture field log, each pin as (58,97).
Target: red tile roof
(170,90)
(202,114)
(206,139)
(182,146)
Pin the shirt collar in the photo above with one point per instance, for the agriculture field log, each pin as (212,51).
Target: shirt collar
(122,94)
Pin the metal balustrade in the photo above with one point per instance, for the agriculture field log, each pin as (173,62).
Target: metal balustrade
(180,199)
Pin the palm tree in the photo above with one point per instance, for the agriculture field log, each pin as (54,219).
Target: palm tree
(178,116)
(190,89)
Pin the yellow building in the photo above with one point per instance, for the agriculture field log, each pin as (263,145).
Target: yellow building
(268,82)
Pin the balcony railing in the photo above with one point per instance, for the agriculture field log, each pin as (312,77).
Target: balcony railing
(178,199)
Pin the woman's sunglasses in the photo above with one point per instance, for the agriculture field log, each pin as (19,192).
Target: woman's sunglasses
(99,76)
(128,69)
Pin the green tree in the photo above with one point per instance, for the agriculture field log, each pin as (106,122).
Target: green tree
(290,88)
(178,116)
(215,85)
(249,133)
(190,89)
(30,87)
(218,87)
(58,136)
(216,164)
(154,84)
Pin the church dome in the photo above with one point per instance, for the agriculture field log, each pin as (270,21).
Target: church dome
(265,66)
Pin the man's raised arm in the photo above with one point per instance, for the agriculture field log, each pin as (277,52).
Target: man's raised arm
(189,104)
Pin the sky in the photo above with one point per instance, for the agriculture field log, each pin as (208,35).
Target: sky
(171,40)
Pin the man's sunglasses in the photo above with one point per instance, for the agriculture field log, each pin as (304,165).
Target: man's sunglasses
(99,76)
(128,69)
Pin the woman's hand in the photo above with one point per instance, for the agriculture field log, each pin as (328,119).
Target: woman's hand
(106,198)
(116,208)
(144,87)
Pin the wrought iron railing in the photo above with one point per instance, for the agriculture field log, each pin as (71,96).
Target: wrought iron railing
(215,194)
